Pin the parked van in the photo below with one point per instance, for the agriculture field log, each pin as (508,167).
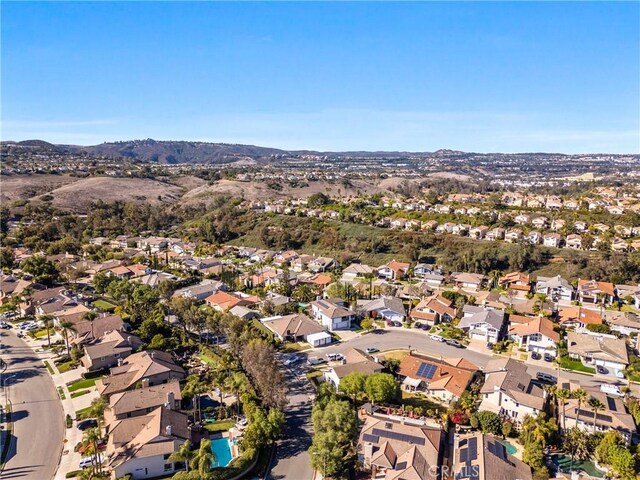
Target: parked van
(334,357)
(611,390)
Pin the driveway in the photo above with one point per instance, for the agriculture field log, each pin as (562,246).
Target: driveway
(38,432)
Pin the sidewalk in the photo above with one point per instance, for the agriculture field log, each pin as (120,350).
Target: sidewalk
(69,460)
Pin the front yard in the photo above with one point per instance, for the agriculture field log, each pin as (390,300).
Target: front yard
(576,365)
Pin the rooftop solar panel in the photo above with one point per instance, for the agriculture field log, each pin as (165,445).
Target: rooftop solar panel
(370,438)
(402,437)
(611,403)
(426,370)
(473,448)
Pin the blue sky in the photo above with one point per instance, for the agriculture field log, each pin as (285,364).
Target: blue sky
(509,77)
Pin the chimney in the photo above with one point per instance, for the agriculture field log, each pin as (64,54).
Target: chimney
(171,398)
(120,362)
(129,339)
(145,382)
(168,430)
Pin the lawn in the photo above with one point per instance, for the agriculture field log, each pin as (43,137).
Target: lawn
(571,364)
(294,347)
(256,323)
(206,359)
(83,413)
(81,384)
(66,366)
(79,393)
(61,393)
(313,374)
(221,426)
(49,368)
(104,305)
(395,354)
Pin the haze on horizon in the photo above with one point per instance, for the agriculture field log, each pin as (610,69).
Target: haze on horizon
(482,77)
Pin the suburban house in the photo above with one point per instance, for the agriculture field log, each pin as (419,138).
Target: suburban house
(479,456)
(536,334)
(626,323)
(578,317)
(614,416)
(592,291)
(513,235)
(386,308)
(223,301)
(140,446)
(445,379)
(508,390)
(88,330)
(355,360)
(470,281)
(108,350)
(200,291)
(282,258)
(422,269)
(393,270)
(149,368)
(480,323)
(399,450)
(555,287)
(293,328)
(142,401)
(519,282)
(552,240)
(333,314)
(11,286)
(598,349)
(574,241)
(357,270)
(322,264)
(495,234)
(433,310)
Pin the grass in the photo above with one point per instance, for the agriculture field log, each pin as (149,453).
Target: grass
(206,359)
(258,325)
(221,426)
(313,374)
(49,368)
(83,413)
(632,376)
(421,401)
(104,305)
(43,333)
(66,366)
(81,384)
(395,354)
(79,393)
(61,393)
(576,365)
(294,347)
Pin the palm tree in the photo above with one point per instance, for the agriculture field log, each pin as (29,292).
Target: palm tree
(67,326)
(581,395)
(47,320)
(184,454)
(90,440)
(96,409)
(203,458)
(597,406)
(90,316)
(563,394)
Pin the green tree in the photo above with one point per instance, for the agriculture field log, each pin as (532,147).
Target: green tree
(47,320)
(184,454)
(581,395)
(43,270)
(533,455)
(610,440)
(576,442)
(623,462)
(67,326)
(489,422)
(203,459)
(562,395)
(381,387)
(353,385)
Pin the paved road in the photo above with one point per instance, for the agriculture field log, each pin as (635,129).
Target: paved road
(292,457)
(38,418)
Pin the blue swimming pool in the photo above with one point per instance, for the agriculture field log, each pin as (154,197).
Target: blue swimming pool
(221,448)
(509,447)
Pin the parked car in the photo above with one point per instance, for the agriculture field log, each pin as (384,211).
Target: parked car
(31,327)
(20,335)
(535,356)
(316,361)
(87,424)
(546,377)
(455,343)
(334,357)
(601,370)
(87,462)
(372,350)
(548,357)
(390,323)
(4,325)
(417,325)
(437,338)
(426,327)
(292,359)
(397,324)
(611,390)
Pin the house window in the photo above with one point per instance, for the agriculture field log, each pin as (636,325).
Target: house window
(166,456)
(168,467)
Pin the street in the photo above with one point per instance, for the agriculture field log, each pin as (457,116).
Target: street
(291,459)
(38,434)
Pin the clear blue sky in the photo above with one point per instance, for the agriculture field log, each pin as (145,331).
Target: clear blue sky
(508,77)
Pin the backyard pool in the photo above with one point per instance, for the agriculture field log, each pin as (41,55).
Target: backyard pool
(563,464)
(508,447)
(221,448)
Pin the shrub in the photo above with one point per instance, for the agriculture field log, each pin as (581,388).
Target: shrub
(489,422)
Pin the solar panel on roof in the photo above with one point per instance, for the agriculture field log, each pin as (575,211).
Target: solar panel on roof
(402,437)
(426,370)
(463,455)
(473,448)
(611,403)
(463,443)
(605,418)
(370,438)
(501,451)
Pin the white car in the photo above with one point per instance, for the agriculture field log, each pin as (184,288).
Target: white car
(32,326)
(334,357)
(87,462)
(437,338)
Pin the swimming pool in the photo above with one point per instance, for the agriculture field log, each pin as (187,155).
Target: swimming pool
(222,450)
(563,464)
(508,447)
